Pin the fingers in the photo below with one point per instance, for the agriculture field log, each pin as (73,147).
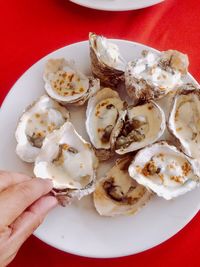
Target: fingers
(15,199)
(26,223)
(11,178)
(9,259)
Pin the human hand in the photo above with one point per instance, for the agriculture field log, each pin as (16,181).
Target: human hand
(23,206)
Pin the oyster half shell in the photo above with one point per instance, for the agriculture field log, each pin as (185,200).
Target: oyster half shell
(117,193)
(106,62)
(102,112)
(137,127)
(165,170)
(38,120)
(67,85)
(184,119)
(154,75)
(69,161)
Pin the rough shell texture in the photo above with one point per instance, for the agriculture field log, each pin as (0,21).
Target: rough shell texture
(184,119)
(67,196)
(108,76)
(154,75)
(117,193)
(165,170)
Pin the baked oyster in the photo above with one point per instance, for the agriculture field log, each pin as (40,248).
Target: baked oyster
(66,84)
(137,127)
(184,119)
(117,193)
(106,61)
(154,75)
(102,112)
(165,170)
(69,161)
(37,121)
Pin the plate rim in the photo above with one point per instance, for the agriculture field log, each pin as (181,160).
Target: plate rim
(116,9)
(89,255)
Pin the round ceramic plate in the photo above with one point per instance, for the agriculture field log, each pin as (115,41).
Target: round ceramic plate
(78,228)
(116,5)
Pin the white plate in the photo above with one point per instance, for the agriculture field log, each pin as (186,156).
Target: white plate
(116,5)
(78,228)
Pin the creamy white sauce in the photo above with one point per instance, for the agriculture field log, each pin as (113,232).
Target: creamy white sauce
(65,168)
(74,171)
(43,122)
(152,129)
(103,117)
(185,122)
(171,170)
(172,175)
(109,53)
(148,69)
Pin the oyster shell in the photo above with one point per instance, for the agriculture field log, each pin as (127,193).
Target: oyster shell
(67,85)
(165,170)
(184,119)
(117,193)
(101,115)
(38,120)
(69,161)
(154,75)
(137,127)
(106,62)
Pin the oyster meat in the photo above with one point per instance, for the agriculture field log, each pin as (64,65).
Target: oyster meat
(117,193)
(137,127)
(165,170)
(154,75)
(69,161)
(106,62)
(38,120)
(67,85)
(184,119)
(102,112)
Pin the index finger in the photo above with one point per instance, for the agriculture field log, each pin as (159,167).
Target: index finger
(10,178)
(15,199)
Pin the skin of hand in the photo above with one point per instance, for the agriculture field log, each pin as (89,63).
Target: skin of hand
(24,203)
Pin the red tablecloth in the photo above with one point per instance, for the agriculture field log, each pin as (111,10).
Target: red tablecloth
(31,29)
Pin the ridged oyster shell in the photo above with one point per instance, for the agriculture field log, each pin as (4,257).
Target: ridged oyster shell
(153,75)
(106,62)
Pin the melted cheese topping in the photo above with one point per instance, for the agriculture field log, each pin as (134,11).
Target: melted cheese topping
(75,168)
(147,68)
(169,170)
(108,53)
(43,122)
(164,170)
(69,83)
(66,159)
